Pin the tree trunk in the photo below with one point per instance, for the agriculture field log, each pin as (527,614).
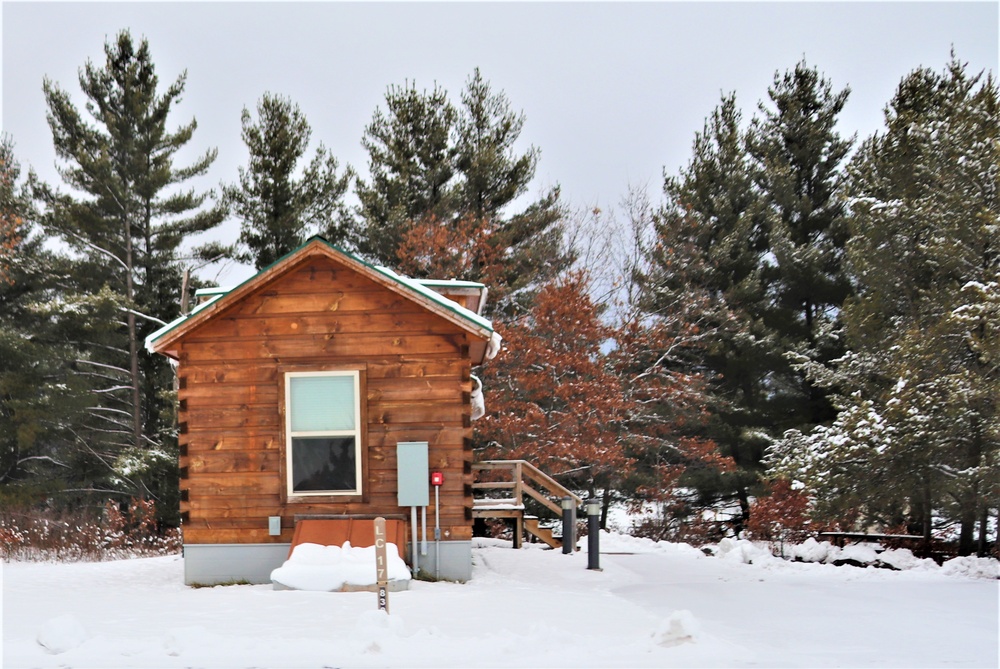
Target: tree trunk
(744,498)
(605,506)
(967,517)
(927,513)
(133,344)
(984,521)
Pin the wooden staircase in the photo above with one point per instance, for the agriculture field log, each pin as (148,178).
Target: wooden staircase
(520,478)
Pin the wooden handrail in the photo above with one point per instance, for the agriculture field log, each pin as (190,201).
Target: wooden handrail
(486,485)
(522,471)
(544,479)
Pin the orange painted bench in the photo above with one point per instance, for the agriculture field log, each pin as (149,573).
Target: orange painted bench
(359,531)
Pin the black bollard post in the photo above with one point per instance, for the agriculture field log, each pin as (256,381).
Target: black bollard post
(593,534)
(569,525)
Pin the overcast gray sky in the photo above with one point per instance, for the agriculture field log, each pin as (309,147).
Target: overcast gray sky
(613,92)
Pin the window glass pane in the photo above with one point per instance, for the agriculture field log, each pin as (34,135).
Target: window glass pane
(323,463)
(320,403)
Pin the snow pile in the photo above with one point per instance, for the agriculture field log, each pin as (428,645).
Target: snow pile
(613,542)
(624,544)
(187,640)
(61,634)
(972,567)
(743,551)
(329,568)
(903,559)
(375,630)
(861,553)
(811,550)
(680,627)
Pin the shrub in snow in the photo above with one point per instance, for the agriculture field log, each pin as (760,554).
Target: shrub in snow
(32,535)
(61,634)
(781,516)
(675,521)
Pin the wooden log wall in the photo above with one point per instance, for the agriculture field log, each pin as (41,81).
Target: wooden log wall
(318,316)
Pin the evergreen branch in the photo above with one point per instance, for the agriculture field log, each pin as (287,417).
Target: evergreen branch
(101,458)
(154,319)
(112,492)
(100,364)
(126,413)
(96,248)
(43,457)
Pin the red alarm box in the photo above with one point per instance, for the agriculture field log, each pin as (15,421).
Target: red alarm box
(437,478)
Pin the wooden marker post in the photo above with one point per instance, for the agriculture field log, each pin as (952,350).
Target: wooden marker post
(381,566)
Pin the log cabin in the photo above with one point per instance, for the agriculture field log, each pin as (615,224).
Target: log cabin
(323,388)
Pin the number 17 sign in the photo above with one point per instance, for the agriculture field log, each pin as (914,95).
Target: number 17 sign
(381,566)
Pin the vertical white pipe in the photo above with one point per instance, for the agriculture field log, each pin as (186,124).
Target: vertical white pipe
(423,530)
(413,523)
(437,532)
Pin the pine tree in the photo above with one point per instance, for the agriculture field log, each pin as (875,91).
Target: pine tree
(919,426)
(439,172)
(492,173)
(706,275)
(798,158)
(125,226)
(279,210)
(14,203)
(411,161)
(41,399)
(749,248)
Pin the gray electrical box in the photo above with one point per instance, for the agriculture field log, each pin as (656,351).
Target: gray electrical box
(412,473)
(274,525)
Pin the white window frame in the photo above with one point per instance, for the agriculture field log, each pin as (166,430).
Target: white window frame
(356,433)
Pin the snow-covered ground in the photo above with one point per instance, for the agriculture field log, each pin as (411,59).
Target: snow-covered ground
(663,605)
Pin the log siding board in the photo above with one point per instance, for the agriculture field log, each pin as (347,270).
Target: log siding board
(416,375)
(352,346)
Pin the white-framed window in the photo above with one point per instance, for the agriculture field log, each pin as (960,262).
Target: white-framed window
(323,433)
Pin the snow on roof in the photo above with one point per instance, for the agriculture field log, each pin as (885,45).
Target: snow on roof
(151,339)
(422,287)
(450,283)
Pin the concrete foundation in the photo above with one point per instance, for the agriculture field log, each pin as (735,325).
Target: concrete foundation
(456,560)
(212,564)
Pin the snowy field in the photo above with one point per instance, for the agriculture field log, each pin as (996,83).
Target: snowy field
(663,605)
